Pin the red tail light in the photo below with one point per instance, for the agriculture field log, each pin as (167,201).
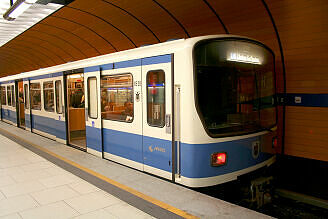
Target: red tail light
(219,159)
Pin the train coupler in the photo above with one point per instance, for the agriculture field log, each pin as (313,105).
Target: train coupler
(260,191)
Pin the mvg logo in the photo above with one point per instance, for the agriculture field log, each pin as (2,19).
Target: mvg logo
(159,149)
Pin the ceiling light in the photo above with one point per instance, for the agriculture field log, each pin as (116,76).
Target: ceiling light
(17,9)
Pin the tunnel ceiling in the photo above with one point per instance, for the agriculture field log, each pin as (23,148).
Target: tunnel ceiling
(86,28)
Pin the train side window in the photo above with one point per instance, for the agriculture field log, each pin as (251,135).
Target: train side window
(26,97)
(3,96)
(117,97)
(156,98)
(48,96)
(59,97)
(92,97)
(9,95)
(13,99)
(35,92)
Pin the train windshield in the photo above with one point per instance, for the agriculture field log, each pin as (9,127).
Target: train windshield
(234,87)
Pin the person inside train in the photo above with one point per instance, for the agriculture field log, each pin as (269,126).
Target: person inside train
(77,99)
(105,106)
(21,95)
(127,114)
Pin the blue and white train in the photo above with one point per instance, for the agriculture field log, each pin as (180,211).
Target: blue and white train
(198,111)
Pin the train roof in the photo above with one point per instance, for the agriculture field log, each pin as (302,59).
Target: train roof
(168,47)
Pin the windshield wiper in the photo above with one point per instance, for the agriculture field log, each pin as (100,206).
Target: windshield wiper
(269,129)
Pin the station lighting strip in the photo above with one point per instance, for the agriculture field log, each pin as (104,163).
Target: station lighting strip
(35,12)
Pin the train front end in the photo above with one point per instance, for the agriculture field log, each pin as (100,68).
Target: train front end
(235,103)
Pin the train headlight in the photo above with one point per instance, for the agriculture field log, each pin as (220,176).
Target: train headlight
(219,159)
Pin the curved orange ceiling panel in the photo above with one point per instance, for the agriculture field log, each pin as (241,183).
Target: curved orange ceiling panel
(296,31)
(89,28)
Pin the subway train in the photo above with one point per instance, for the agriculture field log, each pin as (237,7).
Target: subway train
(199,111)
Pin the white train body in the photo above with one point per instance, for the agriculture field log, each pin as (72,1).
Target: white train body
(181,147)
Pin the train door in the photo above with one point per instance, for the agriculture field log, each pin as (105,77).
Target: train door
(93,122)
(121,112)
(76,109)
(27,110)
(20,105)
(157,118)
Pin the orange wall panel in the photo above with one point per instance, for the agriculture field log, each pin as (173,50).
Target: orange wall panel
(306,132)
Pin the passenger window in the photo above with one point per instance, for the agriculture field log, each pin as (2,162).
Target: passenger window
(48,96)
(9,95)
(117,97)
(13,99)
(156,98)
(35,92)
(92,98)
(59,97)
(26,97)
(3,96)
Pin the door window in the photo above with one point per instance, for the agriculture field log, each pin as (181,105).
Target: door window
(156,98)
(3,96)
(9,95)
(13,99)
(35,92)
(117,97)
(92,94)
(26,97)
(59,97)
(48,96)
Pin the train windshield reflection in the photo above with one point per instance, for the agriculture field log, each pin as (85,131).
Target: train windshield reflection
(234,96)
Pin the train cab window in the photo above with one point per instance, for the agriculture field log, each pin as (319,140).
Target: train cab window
(13,97)
(92,98)
(9,95)
(156,98)
(117,97)
(234,87)
(48,96)
(35,91)
(26,97)
(3,96)
(59,97)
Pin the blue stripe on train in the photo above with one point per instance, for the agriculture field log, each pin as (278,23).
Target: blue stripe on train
(157,153)
(123,144)
(51,75)
(128,63)
(122,64)
(27,121)
(8,82)
(49,125)
(94,138)
(156,59)
(196,160)
(9,115)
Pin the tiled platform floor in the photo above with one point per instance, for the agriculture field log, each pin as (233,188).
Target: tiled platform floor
(16,168)
(32,187)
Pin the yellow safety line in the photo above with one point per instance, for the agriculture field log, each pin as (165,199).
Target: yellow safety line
(113,182)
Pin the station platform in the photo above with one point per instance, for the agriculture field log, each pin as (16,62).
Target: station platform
(41,178)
